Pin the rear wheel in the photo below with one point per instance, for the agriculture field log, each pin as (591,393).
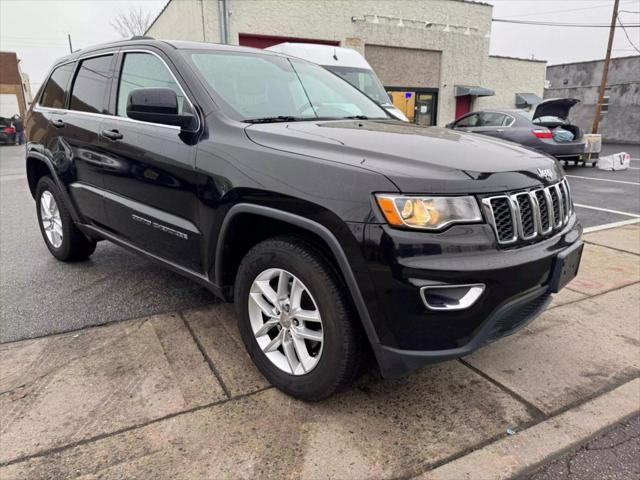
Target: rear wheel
(60,234)
(294,319)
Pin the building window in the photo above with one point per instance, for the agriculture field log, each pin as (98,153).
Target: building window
(604,107)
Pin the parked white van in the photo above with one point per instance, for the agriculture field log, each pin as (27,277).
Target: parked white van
(347,63)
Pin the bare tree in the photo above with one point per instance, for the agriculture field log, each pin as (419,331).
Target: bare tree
(132,23)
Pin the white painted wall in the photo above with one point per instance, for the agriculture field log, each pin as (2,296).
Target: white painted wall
(8,105)
(508,76)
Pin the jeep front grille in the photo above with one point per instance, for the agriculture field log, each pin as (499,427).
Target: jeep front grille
(527,215)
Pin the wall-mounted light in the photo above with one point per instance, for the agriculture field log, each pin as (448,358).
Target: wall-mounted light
(400,23)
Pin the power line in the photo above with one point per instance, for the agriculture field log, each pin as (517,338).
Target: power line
(548,12)
(559,24)
(627,35)
(557,11)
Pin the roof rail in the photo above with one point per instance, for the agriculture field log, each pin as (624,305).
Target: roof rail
(141,37)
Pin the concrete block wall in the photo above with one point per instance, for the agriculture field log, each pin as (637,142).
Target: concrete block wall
(621,124)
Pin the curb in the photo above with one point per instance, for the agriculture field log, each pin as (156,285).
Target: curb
(527,450)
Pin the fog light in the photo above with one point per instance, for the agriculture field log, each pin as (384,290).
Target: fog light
(451,297)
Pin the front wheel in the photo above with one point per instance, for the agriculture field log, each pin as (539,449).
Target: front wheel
(294,318)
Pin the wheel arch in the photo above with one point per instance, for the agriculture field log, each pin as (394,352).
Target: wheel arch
(307,227)
(38,166)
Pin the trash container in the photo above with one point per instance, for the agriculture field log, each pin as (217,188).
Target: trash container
(592,147)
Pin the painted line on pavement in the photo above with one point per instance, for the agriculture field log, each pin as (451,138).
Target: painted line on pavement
(607,226)
(617,212)
(603,180)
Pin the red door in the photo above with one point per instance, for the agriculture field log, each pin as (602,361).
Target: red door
(264,41)
(463,105)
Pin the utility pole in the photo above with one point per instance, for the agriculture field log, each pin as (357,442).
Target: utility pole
(70,47)
(605,69)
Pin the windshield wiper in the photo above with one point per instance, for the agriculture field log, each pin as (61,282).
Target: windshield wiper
(356,117)
(279,118)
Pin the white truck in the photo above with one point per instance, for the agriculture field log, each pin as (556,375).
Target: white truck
(346,63)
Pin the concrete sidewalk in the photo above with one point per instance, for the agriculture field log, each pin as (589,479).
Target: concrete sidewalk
(175,396)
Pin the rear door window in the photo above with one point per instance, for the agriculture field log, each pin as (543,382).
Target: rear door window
(92,84)
(54,92)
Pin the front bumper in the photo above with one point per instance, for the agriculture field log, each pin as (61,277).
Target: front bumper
(518,288)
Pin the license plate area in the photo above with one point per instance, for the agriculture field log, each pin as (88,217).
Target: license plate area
(565,267)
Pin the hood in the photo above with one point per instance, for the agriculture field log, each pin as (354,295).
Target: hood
(554,107)
(416,159)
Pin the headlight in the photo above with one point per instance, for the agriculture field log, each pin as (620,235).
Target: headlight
(429,213)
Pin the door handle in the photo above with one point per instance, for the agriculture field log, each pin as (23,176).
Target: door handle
(500,130)
(58,123)
(112,134)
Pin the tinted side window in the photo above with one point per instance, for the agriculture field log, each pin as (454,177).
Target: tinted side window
(470,121)
(491,119)
(53,95)
(143,70)
(91,85)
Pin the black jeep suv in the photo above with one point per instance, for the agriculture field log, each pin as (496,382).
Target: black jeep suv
(280,186)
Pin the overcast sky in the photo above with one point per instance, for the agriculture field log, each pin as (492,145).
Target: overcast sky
(37,29)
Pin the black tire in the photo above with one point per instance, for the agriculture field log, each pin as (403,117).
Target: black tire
(342,350)
(75,245)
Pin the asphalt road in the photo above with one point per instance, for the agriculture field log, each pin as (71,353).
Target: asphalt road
(601,193)
(612,456)
(40,296)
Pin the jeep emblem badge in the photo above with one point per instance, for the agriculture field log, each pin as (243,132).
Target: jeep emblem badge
(545,173)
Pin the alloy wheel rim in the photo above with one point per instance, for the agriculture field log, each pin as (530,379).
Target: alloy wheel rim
(286,321)
(51,219)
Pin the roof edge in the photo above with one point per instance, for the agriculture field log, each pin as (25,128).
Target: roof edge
(534,60)
(593,61)
(157,17)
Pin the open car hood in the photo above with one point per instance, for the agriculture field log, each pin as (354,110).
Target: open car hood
(555,107)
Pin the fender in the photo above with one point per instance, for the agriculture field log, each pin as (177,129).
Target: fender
(329,238)
(34,154)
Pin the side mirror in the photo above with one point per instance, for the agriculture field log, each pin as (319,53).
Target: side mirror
(157,105)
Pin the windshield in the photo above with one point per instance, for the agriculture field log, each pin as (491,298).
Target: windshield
(270,87)
(364,80)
